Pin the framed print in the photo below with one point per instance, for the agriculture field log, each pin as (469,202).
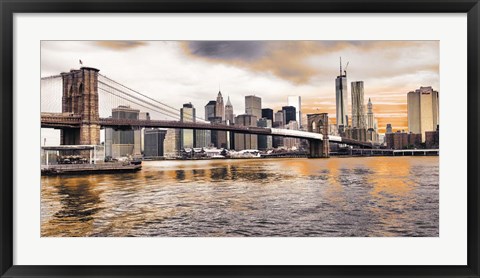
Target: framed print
(199,139)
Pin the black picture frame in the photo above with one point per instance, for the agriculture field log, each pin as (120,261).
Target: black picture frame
(9,7)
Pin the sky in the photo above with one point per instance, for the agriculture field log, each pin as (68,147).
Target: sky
(178,72)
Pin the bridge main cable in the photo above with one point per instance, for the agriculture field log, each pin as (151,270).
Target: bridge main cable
(139,104)
(136,98)
(51,77)
(145,96)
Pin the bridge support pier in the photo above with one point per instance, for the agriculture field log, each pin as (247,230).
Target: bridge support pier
(318,123)
(80,97)
(319,149)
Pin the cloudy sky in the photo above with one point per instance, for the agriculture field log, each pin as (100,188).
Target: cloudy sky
(177,72)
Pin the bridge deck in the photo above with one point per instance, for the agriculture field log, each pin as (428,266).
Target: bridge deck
(62,120)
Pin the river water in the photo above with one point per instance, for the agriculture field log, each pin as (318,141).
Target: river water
(335,197)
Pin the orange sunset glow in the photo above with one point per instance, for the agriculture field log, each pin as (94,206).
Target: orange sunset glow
(178,72)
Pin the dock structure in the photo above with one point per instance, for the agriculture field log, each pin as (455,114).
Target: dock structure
(388,152)
(81,159)
(75,169)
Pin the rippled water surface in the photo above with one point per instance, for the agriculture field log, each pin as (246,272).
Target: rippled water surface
(368,196)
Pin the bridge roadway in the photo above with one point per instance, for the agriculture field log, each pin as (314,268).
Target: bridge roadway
(62,120)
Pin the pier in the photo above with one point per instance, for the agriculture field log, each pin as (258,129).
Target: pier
(81,159)
(387,152)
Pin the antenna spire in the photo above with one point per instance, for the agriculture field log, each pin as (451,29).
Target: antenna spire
(340,66)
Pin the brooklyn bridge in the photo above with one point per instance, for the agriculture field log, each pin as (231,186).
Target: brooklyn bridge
(78,104)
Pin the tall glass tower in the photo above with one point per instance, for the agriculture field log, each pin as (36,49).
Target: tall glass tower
(187,114)
(296,101)
(358,107)
(341,97)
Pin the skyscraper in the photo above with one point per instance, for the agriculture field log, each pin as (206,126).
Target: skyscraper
(289,142)
(172,142)
(245,141)
(187,114)
(229,111)
(229,119)
(423,106)
(279,120)
(203,138)
(154,140)
(358,107)
(289,114)
(267,113)
(370,117)
(341,97)
(210,110)
(220,108)
(253,106)
(120,143)
(264,141)
(296,101)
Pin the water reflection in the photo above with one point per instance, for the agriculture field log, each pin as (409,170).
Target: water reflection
(380,196)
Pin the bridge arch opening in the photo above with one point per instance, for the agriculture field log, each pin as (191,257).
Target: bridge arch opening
(318,123)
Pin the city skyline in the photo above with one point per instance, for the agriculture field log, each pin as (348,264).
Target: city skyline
(272,70)
(130,162)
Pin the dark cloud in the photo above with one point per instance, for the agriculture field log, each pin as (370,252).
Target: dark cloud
(292,60)
(228,50)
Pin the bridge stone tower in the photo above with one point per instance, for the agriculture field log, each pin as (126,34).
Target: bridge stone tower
(80,98)
(318,123)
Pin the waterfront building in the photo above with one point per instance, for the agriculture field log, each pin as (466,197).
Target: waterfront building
(267,113)
(296,101)
(265,142)
(210,110)
(341,98)
(402,140)
(187,114)
(172,143)
(123,143)
(432,139)
(358,107)
(229,117)
(423,110)
(245,141)
(153,143)
(220,108)
(289,114)
(253,106)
